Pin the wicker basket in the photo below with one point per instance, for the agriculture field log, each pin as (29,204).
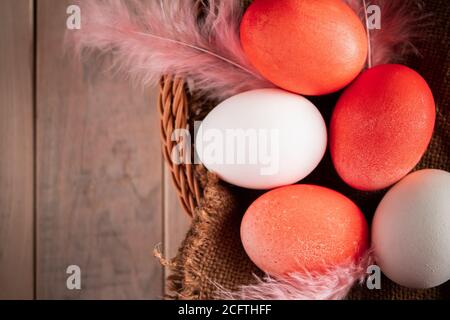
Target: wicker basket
(174,114)
(197,260)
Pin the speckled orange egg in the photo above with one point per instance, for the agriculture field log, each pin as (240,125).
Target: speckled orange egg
(307,47)
(303,228)
(381,127)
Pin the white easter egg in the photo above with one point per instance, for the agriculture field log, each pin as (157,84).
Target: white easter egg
(262,139)
(411,230)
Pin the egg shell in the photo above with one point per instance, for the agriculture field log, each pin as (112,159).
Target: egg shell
(303,228)
(263,139)
(411,230)
(381,127)
(307,47)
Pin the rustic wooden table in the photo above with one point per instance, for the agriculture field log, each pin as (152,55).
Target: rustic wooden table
(82,180)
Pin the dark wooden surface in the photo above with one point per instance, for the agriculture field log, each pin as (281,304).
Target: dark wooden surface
(83,182)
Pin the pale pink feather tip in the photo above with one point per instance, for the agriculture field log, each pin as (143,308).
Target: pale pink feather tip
(167,37)
(332,284)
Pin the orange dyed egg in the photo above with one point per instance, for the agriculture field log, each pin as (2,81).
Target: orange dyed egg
(307,47)
(303,227)
(381,127)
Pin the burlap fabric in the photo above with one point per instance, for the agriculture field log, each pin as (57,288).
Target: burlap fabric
(212,253)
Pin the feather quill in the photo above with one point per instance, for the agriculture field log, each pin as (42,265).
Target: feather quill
(159,37)
(401,24)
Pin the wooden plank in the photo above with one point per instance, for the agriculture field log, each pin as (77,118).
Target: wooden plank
(176,220)
(16,150)
(99,171)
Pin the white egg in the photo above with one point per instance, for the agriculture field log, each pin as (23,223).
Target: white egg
(411,230)
(262,139)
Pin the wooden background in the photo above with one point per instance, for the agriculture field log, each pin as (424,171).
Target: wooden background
(82,180)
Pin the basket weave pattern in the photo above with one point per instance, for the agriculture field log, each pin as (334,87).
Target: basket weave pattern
(173,111)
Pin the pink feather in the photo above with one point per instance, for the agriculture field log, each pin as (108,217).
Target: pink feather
(333,284)
(168,37)
(401,21)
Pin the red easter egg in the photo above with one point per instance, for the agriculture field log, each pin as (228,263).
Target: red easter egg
(307,47)
(303,228)
(381,127)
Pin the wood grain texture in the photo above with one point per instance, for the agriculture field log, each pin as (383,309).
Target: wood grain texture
(176,220)
(16,150)
(99,173)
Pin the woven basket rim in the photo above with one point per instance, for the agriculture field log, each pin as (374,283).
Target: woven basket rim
(174,114)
